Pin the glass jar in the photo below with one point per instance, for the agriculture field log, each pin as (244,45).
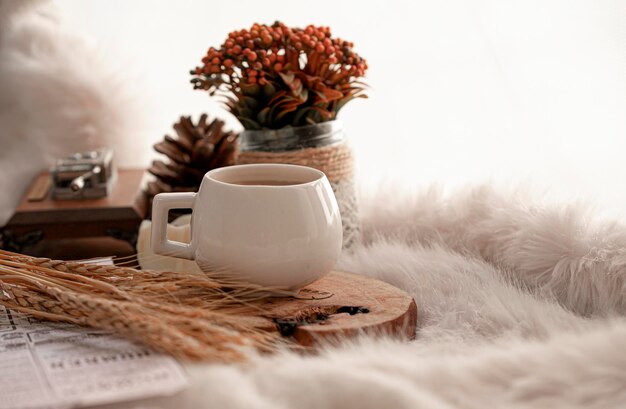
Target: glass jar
(292,138)
(322,146)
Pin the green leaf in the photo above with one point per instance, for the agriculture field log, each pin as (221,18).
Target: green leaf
(280,94)
(287,78)
(270,116)
(249,123)
(251,90)
(269,90)
(312,113)
(263,116)
(279,117)
(297,119)
(249,102)
(295,85)
(304,94)
(332,94)
(286,109)
(328,95)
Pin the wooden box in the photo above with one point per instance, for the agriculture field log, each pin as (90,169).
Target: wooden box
(39,217)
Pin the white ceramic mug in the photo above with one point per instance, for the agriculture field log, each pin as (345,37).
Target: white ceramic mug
(269,224)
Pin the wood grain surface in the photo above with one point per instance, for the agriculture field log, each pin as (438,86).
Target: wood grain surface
(124,201)
(344,305)
(122,210)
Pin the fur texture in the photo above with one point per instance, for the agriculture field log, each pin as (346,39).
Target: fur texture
(556,251)
(520,306)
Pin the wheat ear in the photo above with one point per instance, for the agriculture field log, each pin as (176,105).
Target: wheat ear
(187,315)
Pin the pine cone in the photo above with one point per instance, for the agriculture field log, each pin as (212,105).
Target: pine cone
(197,149)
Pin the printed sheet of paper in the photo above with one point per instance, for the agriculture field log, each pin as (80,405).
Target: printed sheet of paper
(55,365)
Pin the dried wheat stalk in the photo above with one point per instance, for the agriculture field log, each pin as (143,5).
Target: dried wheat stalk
(187,315)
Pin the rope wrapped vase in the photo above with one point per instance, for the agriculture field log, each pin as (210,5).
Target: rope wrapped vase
(320,146)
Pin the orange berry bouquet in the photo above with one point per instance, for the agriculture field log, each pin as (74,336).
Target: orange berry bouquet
(276,76)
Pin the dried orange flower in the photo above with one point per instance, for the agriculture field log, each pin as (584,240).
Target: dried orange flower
(276,76)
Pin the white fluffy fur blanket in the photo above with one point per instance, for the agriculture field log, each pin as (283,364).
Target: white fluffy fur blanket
(520,306)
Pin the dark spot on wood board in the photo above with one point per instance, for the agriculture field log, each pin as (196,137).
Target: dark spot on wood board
(314,315)
(352,310)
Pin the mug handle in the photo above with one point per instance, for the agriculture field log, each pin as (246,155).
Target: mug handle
(161,205)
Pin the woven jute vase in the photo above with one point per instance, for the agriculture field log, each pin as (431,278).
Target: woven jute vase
(322,146)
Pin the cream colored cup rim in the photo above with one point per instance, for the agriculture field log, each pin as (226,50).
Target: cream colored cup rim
(315,175)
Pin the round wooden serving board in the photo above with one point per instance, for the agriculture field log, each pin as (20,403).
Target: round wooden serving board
(343,305)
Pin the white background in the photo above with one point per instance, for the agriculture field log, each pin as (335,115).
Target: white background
(462,91)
